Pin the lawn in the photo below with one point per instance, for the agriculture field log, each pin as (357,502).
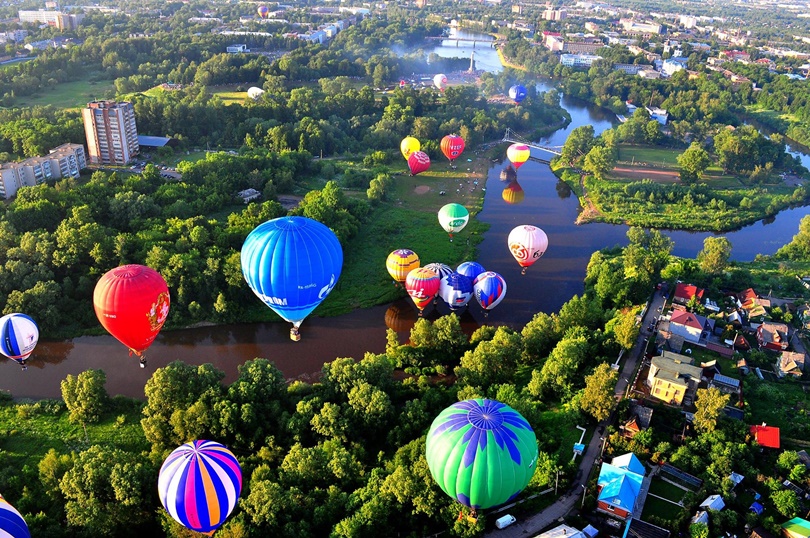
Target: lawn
(229,94)
(664,489)
(653,156)
(69,94)
(783,404)
(661,508)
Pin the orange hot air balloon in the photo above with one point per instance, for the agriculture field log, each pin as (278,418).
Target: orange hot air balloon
(132,303)
(518,154)
(452,146)
(423,286)
(418,162)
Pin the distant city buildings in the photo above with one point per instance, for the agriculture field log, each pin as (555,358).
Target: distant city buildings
(578,60)
(112,137)
(66,160)
(62,21)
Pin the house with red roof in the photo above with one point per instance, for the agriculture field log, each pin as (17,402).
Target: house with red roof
(766,436)
(684,293)
(773,336)
(691,327)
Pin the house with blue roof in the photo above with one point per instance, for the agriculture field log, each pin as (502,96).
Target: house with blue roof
(619,484)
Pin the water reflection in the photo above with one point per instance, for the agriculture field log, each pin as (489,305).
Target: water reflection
(513,193)
(400,316)
(563,190)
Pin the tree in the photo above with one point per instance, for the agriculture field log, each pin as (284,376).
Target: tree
(599,161)
(786,502)
(597,396)
(693,163)
(698,530)
(85,396)
(713,259)
(577,145)
(709,404)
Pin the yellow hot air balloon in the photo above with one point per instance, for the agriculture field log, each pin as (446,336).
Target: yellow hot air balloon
(518,154)
(408,145)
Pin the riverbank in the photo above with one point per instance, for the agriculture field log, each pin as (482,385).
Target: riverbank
(507,63)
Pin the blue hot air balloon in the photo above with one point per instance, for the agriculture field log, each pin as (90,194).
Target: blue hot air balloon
(517,93)
(470,269)
(18,337)
(490,289)
(456,290)
(12,524)
(291,264)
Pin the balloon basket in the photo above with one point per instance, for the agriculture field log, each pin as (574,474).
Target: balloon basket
(295,336)
(524,271)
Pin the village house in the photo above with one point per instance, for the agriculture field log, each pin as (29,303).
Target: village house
(684,293)
(692,327)
(773,336)
(766,436)
(640,418)
(619,484)
(673,379)
(790,363)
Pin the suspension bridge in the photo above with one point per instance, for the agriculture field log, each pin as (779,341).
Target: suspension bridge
(514,138)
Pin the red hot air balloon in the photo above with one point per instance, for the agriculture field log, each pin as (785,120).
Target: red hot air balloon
(452,146)
(418,162)
(423,286)
(132,303)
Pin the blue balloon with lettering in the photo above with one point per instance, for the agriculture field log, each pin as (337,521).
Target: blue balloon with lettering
(291,264)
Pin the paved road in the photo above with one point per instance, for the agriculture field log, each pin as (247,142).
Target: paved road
(572,498)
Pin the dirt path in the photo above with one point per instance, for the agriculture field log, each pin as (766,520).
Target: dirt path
(654,174)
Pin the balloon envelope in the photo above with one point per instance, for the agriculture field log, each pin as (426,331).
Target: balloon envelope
(490,289)
(517,93)
(400,263)
(456,290)
(481,452)
(19,335)
(199,484)
(12,524)
(527,244)
(255,92)
(132,303)
(453,218)
(408,145)
(263,11)
(518,154)
(513,193)
(452,146)
(470,269)
(440,269)
(422,285)
(440,81)
(418,162)
(292,264)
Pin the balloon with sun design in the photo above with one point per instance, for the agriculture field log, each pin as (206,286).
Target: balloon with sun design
(481,452)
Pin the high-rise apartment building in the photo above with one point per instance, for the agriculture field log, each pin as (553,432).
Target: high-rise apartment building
(112,137)
(63,161)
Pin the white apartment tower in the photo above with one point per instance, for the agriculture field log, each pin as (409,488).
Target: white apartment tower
(112,137)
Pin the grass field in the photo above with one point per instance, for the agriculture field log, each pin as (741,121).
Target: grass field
(68,95)
(228,93)
(659,507)
(664,489)
(662,157)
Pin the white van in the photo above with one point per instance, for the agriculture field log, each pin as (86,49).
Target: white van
(505,521)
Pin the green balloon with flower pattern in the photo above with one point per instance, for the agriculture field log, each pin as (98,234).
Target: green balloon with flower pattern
(481,452)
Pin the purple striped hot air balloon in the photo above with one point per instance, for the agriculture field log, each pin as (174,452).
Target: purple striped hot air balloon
(12,524)
(199,485)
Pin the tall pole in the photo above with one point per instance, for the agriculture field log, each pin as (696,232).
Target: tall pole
(584,491)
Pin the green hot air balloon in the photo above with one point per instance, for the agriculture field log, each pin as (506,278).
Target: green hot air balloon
(481,452)
(453,218)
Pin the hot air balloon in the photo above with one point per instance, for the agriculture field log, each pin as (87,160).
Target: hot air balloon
(199,484)
(255,92)
(518,154)
(399,317)
(400,263)
(453,218)
(263,12)
(132,303)
(452,146)
(402,83)
(408,145)
(527,244)
(513,193)
(517,93)
(422,285)
(481,452)
(456,290)
(440,269)
(12,524)
(19,335)
(470,269)
(440,81)
(418,162)
(292,264)
(490,289)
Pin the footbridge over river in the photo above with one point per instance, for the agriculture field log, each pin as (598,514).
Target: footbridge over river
(514,138)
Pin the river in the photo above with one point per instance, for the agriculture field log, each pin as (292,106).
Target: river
(545,286)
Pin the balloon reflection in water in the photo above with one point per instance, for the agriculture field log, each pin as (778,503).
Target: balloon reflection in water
(400,317)
(513,193)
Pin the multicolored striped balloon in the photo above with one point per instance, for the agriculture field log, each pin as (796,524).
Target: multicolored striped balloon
(12,524)
(470,269)
(199,485)
(490,289)
(18,336)
(481,452)
(400,263)
(423,286)
(518,154)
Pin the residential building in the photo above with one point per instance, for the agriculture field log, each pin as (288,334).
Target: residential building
(592,27)
(582,47)
(713,502)
(578,60)
(735,55)
(631,69)
(248,195)
(766,436)
(773,336)
(555,14)
(112,136)
(65,160)
(553,41)
(796,528)
(62,21)
(565,531)
(641,529)
(692,327)
(640,418)
(649,74)
(237,49)
(673,378)
(790,363)
(631,26)
(619,484)
(684,293)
